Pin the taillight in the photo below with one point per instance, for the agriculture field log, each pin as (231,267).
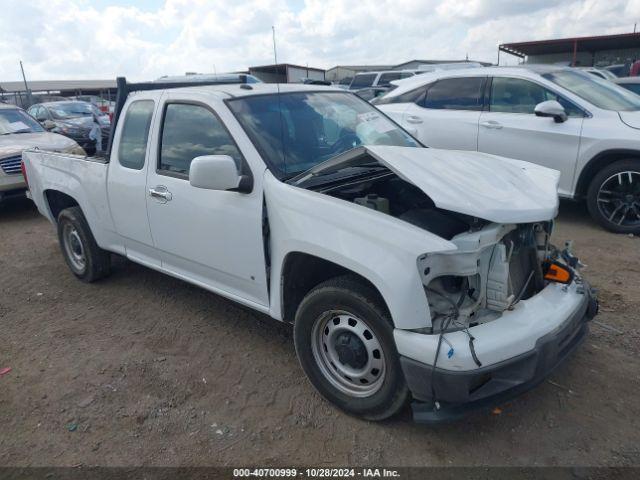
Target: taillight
(24,172)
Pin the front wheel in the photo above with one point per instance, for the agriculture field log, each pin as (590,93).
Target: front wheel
(344,340)
(613,197)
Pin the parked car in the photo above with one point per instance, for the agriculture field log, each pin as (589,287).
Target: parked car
(405,271)
(107,107)
(18,131)
(315,81)
(599,72)
(630,83)
(378,79)
(562,118)
(73,119)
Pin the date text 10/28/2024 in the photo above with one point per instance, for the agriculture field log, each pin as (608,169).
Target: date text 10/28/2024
(315,473)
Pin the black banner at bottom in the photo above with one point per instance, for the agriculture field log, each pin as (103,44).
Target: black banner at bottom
(404,473)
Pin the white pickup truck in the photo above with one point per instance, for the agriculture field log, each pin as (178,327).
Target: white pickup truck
(407,272)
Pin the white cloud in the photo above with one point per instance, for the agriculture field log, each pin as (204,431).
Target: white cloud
(75,39)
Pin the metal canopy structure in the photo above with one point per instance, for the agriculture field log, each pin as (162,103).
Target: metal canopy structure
(572,45)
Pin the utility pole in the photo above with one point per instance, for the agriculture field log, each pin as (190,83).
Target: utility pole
(26,87)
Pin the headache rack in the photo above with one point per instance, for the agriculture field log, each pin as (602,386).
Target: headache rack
(125,88)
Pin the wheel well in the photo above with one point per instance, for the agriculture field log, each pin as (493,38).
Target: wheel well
(302,272)
(58,201)
(597,163)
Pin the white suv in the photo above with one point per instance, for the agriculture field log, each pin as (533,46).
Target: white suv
(562,118)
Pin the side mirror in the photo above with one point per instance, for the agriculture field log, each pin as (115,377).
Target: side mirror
(218,172)
(553,109)
(48,124)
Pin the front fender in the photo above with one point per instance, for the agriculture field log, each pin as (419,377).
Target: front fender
(381,248)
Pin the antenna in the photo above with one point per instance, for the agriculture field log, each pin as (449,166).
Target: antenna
(275,59)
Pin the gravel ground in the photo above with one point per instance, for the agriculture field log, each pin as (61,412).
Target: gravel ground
(143,369)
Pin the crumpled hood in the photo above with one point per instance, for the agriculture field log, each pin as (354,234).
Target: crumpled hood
(485,186)
(17,142)
(478,184)
(631,119)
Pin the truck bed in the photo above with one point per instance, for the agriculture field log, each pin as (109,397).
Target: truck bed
(80,177)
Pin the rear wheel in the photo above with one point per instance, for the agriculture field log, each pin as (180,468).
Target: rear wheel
(344,340)
(84,257)
(613,197)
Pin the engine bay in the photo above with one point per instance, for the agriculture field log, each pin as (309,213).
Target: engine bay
(391,195)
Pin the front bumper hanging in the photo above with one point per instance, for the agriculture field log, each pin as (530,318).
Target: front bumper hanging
(459,393)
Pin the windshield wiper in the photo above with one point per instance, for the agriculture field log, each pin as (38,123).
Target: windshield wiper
(350,158)
(362,171)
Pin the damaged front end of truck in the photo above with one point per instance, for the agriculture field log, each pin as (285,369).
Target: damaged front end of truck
(505,306)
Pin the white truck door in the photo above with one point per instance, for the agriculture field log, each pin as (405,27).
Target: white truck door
(510,128)
(127,179)
(213,238)
(447,117)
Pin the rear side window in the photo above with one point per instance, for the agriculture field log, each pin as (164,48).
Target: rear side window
(190,131)
(365,80)
(455,94)
(135,133)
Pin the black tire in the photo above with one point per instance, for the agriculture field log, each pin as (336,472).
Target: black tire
(626,195)
(75,236)
(348,294)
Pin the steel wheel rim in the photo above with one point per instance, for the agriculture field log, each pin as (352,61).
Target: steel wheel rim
(74,248)
(348,372)
(619,198)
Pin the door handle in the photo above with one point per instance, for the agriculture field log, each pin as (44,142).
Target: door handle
(161,193)
(414,119)
(491,124)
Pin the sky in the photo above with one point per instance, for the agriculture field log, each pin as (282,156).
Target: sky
(145,39)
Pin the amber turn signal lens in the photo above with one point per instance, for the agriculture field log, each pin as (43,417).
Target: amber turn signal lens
(557,272)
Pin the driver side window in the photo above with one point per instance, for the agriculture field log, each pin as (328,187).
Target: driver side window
(190,131)
(515,95)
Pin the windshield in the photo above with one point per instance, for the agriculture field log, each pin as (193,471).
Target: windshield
(71,110)
(363,80)
(16,121)
(601,93)
(296,131)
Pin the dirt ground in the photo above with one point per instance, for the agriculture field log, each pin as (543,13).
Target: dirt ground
(143,369)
